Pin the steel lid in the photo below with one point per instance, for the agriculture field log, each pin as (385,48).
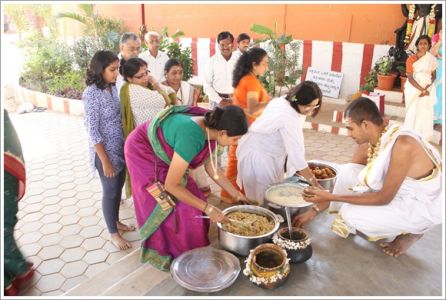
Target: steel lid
(205,269)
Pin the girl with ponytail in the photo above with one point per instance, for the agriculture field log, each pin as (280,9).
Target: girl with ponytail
(159,154)
(250,95)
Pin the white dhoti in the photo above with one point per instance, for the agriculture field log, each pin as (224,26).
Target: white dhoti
(416,208)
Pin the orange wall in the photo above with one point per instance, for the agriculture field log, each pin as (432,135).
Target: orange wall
(358,23)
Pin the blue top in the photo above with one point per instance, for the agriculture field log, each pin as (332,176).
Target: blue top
(102,113)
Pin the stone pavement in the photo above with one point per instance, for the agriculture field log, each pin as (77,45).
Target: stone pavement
(61,228)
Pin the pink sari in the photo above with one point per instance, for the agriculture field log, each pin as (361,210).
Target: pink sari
(165,234)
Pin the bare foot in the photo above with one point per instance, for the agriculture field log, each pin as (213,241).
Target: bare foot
(119,242)
(124,227)
(400,244)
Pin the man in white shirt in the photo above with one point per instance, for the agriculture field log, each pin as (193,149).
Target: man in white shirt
(156,59)
(243,41)
(218,72)
(129,46)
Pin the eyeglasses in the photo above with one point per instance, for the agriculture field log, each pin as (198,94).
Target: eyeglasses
(311,107)
(146,73)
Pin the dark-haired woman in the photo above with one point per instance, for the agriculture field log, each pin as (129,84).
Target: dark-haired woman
(419,90)
(250,95)
(185,92)
(276,134)
(141,96)
(162,150)
(186,95)
(106,139)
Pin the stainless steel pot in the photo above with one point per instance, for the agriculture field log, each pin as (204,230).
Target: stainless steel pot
(239,244)
(328,183)
(278,209)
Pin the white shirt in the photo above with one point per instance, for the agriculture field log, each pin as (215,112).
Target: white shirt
(155,64)
(218,76)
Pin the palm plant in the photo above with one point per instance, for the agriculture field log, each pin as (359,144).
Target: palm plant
(105,31)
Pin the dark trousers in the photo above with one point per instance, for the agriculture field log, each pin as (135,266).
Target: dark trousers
(111,195)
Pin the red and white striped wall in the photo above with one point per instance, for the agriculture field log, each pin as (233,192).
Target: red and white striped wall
(352,59)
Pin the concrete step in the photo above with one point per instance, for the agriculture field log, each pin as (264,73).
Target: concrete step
(137,283)
(126,277)
(102,281)
(394,96)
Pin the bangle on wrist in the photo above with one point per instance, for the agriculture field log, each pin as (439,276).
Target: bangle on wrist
(209,209)
(316,209)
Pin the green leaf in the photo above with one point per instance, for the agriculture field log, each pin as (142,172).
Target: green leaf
(261,29)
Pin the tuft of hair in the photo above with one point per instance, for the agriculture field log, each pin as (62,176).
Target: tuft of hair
(363,109)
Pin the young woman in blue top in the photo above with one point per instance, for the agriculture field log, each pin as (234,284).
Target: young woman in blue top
(106,138)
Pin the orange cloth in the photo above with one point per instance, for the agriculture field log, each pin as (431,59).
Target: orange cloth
(409,63)
(248,84)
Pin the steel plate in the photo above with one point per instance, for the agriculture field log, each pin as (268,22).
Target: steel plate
(205,269)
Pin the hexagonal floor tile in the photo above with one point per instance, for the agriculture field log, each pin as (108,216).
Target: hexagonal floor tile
(50,239)
(31,217)
(50,283)
(68,210)
(71,229)
(87,211)
(73,254)
(85,203)
(50,228)
(74,269)
(30,249)
(51,218)
(95,269)
(51,266)
(67,186)
(67,194)
(71,241)
(52,200)
(65,202)
(91,231)
(31,237)
(89,220)
(50,209)
(68,220)
(93,243)
(96,256)
(84,195)
(31,226)
(50,252)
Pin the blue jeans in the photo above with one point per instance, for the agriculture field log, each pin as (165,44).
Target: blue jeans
(111,195)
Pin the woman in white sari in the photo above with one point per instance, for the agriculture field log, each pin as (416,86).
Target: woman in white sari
(274,136)
(419,89)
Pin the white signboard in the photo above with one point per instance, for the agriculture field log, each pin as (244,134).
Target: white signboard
(328,81)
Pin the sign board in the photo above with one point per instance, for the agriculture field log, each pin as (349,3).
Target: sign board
(328,81)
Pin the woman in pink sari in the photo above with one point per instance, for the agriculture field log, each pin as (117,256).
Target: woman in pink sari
(419,90)
(162,150)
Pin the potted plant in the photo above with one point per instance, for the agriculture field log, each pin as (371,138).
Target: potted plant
(371,80)
(385,77)
(283,52)
(402,71)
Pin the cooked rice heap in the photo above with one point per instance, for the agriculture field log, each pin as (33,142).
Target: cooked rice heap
(249,224)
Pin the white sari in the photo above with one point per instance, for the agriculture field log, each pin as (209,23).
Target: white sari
(261,153)
(420,110)
(416,207)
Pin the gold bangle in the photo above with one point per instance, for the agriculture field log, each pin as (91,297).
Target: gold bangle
(209,209)
(316,209)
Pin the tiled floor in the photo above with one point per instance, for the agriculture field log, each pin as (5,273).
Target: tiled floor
(61,228)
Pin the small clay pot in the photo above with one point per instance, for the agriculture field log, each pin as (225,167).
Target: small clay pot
(298,246)
(267,266)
